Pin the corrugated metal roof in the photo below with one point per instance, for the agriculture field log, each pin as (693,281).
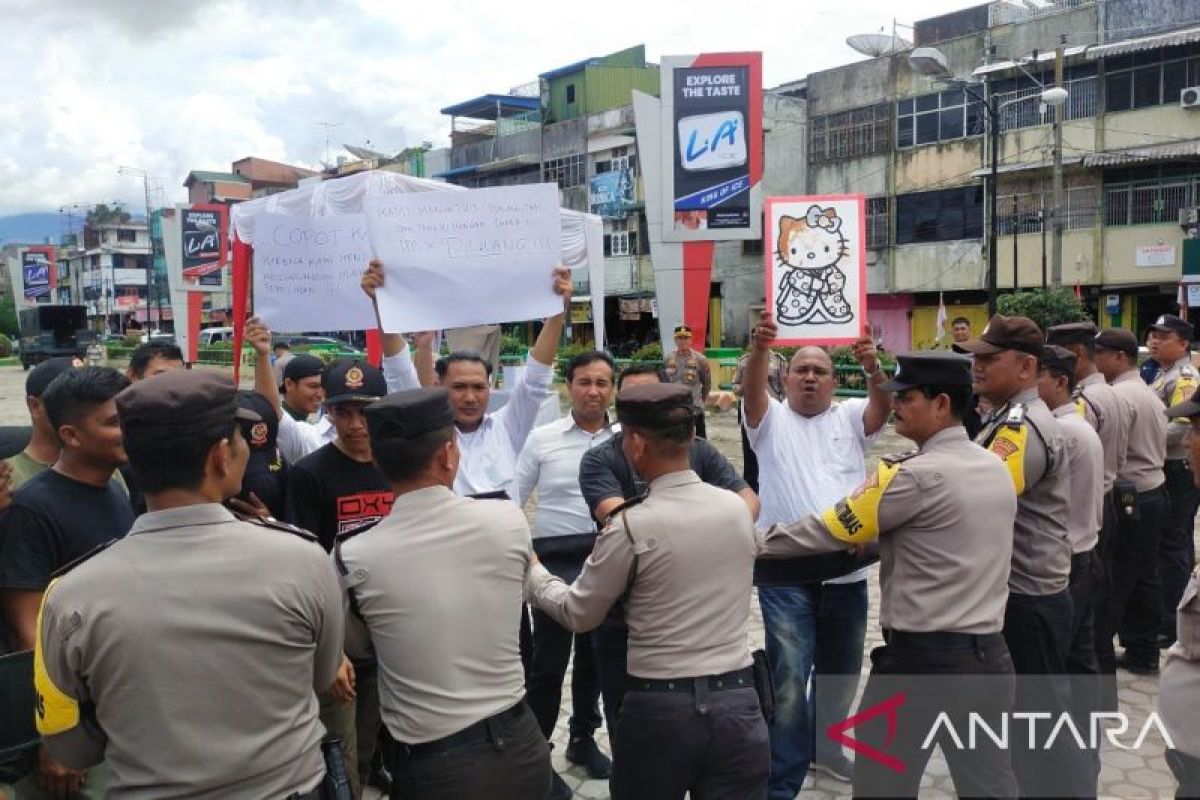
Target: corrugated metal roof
(1141,155)
(213,177)
(578,66)
(1172,39)
(1025,166)
(489,106)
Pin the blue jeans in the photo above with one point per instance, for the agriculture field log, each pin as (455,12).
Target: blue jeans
(811,626)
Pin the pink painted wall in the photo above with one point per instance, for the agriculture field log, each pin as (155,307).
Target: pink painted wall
(890,323)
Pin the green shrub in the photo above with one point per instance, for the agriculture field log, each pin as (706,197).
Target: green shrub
(132,339)
(512,346)
(565,354)
(6,346)
(651,352)
(1045,307)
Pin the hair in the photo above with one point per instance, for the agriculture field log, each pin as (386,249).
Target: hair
(645,368)
(145,353)
(960,321)
(160,463)
(464,356)
(583,359)
(281,346)
(960,397)
(669,440)
(77,392)
(1088,345)
(1070,376)
(405,459)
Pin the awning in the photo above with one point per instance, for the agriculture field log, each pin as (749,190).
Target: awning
(456,171)
(1044,57)
(1172,39)
(523,160)
(597,143)
(1142,155)
(1028,166)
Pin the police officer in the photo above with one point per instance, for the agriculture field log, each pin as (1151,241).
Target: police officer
(1179,686)
(1037,621)
(1170,345)
(436,588)
(944,517)
(684,560)
(689,367)
(175,654)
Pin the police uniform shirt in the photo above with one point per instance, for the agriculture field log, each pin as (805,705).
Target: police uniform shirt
(1179,685)
(944,519)
(1109,415)
(1174,385)
(691,371)
(1085,470)
(200,640)
(439,584)
(1147,443)
(688,610)
(1028,440)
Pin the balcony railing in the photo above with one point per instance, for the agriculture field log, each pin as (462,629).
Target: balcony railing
(1025,107)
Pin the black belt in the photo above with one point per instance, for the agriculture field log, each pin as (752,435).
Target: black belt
(1177,465)
(738,679)
(941,640)
(1082,558)
(486,730)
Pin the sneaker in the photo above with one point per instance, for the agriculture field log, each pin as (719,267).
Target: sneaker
(839,768)
(1136,667)
(559,790)
(583,751)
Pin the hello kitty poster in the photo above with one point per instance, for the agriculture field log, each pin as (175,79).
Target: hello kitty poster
(816,268)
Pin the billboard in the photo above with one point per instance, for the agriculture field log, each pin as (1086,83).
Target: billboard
(610,194)
(203,243)
(37,272)
(712,147)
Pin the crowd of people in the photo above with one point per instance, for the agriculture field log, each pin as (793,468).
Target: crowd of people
(330,581)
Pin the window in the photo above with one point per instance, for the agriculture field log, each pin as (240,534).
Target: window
(877,222)
(126,235)
(570,93)
(619,159)
(566,172)
(938,117)
(752,247)
(1150,78)
(939,216)
(1020,98)
(849,134)
(1149,195)
(620,243)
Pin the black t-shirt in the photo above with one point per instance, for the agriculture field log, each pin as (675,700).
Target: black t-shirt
(54,520)
(136,498)
(329,493)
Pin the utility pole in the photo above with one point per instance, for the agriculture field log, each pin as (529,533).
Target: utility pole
(1059,199)
(328,126)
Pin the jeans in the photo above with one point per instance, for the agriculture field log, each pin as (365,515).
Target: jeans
(551,652)
(809,628)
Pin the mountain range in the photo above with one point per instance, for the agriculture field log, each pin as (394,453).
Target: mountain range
(35,228)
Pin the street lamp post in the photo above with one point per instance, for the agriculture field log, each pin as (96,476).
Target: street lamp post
(145,176)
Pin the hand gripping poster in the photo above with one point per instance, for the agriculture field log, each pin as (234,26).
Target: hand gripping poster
(816,269)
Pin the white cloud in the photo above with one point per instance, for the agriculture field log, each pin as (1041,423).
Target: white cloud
(175,85)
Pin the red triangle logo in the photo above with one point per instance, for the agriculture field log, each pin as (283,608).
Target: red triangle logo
(888,707)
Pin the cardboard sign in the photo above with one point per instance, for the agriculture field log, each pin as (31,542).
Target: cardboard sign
(816,269)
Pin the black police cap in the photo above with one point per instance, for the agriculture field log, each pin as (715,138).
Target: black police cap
(350,379)
(1071,333)
(409,414)
(44,373)
(1006,333)
(1118,339)
(179,401)
(929,368)
(1169,323)
(655,405)
(1059,359)
(303,366)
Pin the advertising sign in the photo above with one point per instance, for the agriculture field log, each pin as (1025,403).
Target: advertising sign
(712,146)
(1155,255)
(36,266)
(203,242)
(610,194)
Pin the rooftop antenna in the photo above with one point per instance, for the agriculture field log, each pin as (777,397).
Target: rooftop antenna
(328,126)
(879,44)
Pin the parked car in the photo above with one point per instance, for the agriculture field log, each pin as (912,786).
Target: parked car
(211,336)
(325,345)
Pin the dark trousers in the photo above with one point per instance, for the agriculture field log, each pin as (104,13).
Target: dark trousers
(610,644)
(1086,575)
(1186,770)
(931,678)
(1134,605)
(701,428)
(551,652)
(513,764)
(712,744)
(749,459)
(1176,545)
(525,641)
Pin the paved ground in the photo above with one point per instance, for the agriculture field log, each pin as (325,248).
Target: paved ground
(1125,774)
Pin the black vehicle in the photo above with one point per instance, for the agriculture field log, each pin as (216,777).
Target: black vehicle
(49,331)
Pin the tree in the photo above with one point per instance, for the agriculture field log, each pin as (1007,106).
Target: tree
(8,316)
(1045,307)
(102,214)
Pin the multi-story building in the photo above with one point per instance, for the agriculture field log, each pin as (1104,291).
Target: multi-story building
(916,147)
(111,273)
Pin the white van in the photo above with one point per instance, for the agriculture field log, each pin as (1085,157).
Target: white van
(211,336)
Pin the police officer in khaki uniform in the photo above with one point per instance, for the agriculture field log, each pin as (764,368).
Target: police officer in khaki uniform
(1179,686)
(436,588)
(1135,603)
(1170,345)
(944,517)
(683,559)
(690,367)
(186,654)
(1037,621)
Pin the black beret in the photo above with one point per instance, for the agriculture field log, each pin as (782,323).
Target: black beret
(350,379)
(409,414)
(655,405)
(930,368)
(44,373)
(1118,339)
(303,366)
(1169,323)
(1006,333)
(1059,359)
(1071,333)
(181,401)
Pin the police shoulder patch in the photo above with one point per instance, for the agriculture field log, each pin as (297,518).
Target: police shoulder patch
(57,711)
(1016,415)
(897,458)
(855,519)
(1009,444)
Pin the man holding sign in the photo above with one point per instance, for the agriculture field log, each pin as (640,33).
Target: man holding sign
(489,443)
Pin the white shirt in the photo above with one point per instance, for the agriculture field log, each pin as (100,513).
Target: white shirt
(806,464)
(488,453)
(297,439)
(1085,466)
(549,462)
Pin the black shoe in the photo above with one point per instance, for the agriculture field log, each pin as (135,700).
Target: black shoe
(1165,641)
(559,790)
(583,751)
(1136,667)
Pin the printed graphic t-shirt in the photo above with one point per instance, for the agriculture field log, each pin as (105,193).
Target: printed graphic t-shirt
(329,493)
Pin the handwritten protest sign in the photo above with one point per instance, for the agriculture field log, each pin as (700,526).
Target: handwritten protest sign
(459,258)
(307,272)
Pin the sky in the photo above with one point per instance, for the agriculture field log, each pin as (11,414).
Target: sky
(168,86)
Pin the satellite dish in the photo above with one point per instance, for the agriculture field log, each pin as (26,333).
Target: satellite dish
(877,44)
